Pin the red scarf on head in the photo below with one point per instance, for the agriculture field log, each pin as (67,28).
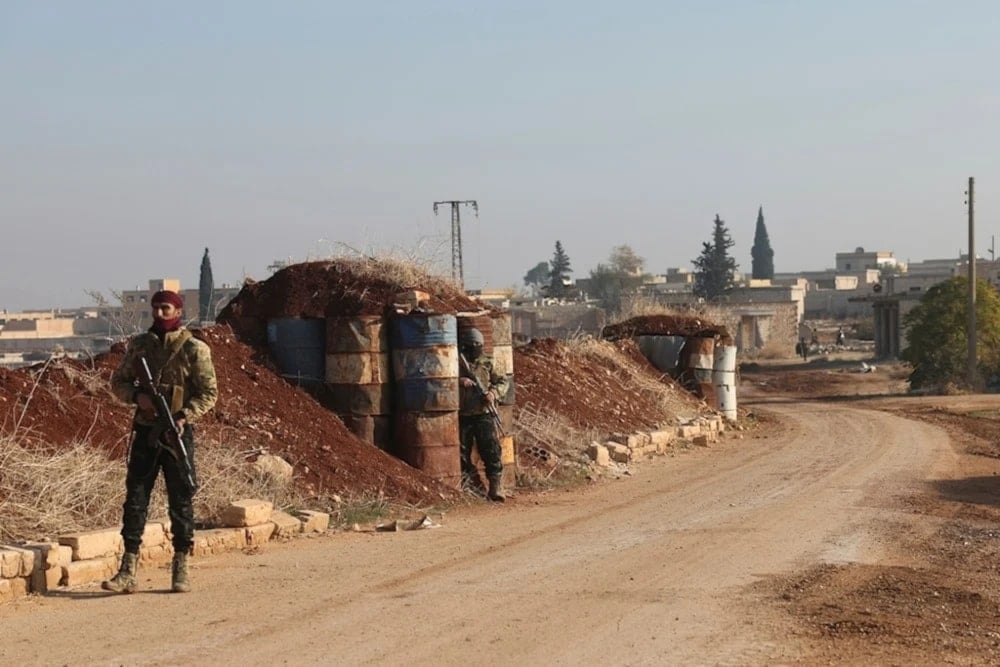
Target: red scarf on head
(164,326)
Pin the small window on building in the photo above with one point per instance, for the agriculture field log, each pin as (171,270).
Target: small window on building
(847,266)
(915,288)
(129,299)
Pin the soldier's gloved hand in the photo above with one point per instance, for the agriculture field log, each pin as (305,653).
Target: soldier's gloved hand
(490,397)
(466,382)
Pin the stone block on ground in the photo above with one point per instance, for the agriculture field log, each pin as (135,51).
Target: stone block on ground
(43,581)
(25,561)
(89,570)
(274,467)
(94,543)
(154,534)
(65,555)
(219,540)
(259,534)
(661,439)
(701,440)
(10,563)
(688,431)
(249,512)
(617,451)
(156,553)
(285,525)
(46,554)
(598,453)
(313,521)
(637,441)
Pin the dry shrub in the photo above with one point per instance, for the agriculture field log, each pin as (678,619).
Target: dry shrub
(671,399)
(404,268)
(640,305)
(44,493)
(551,432)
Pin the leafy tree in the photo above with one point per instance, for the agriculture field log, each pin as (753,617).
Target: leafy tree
(559,271)
(537,276)
(714,268)
(206,287)
(761,252)
(937,345)
(623,274)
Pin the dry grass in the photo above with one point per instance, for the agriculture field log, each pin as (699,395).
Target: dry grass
(552,432)
(643,306)
(404,268)
(45,494)
(672,400)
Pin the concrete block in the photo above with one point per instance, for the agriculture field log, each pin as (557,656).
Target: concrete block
(153,534)
(285,525)
(65,555)
(661,439)
(10,563)
(43,581)
(618,452)
(688,431)
(46,554)
(219,540)
(20,586)
(701,440)
(599,454)
(247,512)
(155,554)
(94,543)
(89,570)
(26,560)
(259,534)
(6,591)
(313,521)
(637,440)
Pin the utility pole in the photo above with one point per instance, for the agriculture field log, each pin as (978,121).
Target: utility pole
(971,370)
(457,274)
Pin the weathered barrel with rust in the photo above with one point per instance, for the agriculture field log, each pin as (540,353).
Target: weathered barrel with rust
(503,352)
(424,354)
(358,376)
(697,361)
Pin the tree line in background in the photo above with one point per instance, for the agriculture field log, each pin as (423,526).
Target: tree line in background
(624,272)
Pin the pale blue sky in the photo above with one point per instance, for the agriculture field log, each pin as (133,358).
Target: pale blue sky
(133,135)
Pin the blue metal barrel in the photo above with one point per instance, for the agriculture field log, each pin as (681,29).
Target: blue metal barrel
(298,346)
(425,371)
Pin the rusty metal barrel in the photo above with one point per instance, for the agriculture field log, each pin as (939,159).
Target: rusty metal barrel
(480,321)
(424,354)
(697,361)
(503,352)
(358,376)
(297,345)
(661,351)
(724,377)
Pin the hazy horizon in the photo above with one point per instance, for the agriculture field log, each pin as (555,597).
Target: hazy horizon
(134,136)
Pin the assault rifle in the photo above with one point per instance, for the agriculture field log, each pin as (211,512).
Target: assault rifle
(481,390)
(165,431)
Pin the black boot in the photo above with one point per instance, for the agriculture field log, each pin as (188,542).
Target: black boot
(495,493)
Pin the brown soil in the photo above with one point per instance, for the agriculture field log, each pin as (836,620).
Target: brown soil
(938,604)
(662,325)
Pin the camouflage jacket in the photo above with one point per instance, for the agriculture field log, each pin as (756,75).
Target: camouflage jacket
(182,371)
(471,403)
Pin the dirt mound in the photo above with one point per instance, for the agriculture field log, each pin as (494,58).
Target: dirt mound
(337,288)
(662,325)
(595,390)
(55,404)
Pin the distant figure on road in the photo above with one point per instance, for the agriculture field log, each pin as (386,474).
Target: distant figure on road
(805,338)
(840,336)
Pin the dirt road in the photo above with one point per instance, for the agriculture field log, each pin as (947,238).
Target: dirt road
(651,569)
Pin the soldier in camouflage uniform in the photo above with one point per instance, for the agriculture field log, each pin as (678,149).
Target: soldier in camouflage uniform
(182,371)
(475,421)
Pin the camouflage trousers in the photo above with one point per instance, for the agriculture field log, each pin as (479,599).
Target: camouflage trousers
(481,431)
(145,462)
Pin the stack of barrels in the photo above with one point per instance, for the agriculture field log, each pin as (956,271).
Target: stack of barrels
(425,369)
(358,380)
(697,362)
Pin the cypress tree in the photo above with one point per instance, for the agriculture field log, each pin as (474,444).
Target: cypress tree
(714,268)
(206,286)
(560,270)
(762,265)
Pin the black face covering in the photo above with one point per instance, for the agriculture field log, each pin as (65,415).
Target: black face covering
(472,352)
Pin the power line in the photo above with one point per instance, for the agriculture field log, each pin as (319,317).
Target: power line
(457,273)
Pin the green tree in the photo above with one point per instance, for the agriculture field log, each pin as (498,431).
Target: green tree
(559,271)
(622,275)
(537,276)
(937,344)
(762,264)
(714,268)
(206,287)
